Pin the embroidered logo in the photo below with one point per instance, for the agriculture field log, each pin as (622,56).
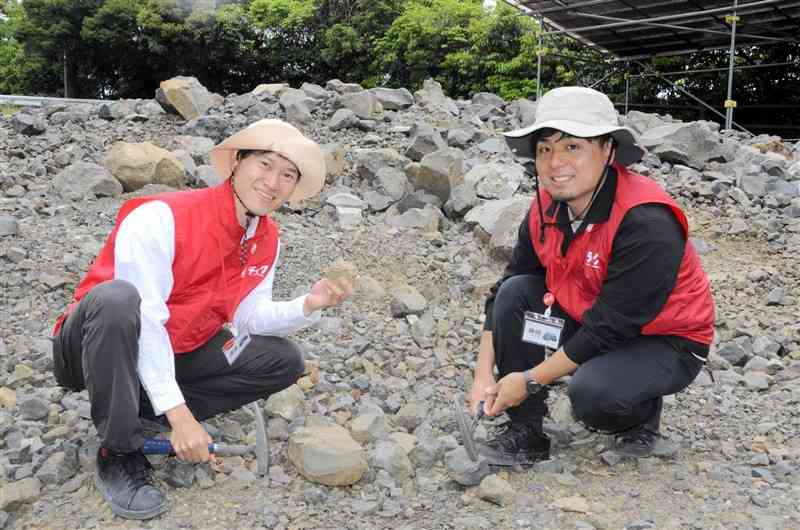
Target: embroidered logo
(255,271)
(593,260)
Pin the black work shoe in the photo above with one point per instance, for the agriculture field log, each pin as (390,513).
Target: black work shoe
(518,444)
(636,443)
(125,481)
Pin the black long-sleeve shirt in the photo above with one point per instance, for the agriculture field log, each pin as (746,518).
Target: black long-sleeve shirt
(642,270)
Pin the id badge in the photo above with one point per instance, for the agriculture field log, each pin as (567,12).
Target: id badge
(543,330)
(235,346)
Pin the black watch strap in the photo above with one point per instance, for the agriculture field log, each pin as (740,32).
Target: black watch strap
(533,387)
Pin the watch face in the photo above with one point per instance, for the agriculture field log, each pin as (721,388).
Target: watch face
(534,387)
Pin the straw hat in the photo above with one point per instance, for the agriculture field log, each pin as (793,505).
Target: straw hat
(581,112)
(282,138)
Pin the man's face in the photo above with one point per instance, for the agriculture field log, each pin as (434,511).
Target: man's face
(264,181)
(570,168)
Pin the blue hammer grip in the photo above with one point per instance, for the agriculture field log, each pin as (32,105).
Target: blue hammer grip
(159,446)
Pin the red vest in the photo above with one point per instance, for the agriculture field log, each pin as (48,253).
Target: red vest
(576,279)
(209,280)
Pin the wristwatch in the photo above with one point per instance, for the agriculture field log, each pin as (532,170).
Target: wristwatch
(532,386)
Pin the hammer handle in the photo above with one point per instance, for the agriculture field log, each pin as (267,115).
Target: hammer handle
(160,446)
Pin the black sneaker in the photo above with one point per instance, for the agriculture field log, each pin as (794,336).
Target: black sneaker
(125,481)
(518,444)
(636,443)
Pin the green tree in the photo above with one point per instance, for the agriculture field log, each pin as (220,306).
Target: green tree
(12,55)
(51,30)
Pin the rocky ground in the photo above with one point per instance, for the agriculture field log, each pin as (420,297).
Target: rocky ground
(424,200)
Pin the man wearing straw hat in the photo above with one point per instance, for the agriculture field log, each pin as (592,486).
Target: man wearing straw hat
(603,284)
(175,317)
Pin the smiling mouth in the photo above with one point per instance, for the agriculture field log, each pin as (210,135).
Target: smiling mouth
(559,180)
(266,196)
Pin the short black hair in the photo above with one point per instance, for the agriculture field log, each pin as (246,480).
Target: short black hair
(241,154)
(547,132)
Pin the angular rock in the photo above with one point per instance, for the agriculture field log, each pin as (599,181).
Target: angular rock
(28,124)
(199,147)
(8,398)
(506,230)
(298,114)
(392,458)
(286,404)
(407,301)
(116,110)
(438,172)
(214,127)
(391,182)
(59,467)
(487,214)
(369,427)
(426,219)
(343,88)
(84,180)
(495,181)
(734,353)
(524,110)
(411,415)
(432,97)
(327,454)
(367,162)
(33,408)
(393,98)
(575,504)
(463,470)
(273,90)
(314,91)
(364,104)
(462,199)
(186,96)
(497,491)
(424,140)
(9,226)
(136,165)
(343,119)
(487,99)
(334,158)
(15,494)
(692,144)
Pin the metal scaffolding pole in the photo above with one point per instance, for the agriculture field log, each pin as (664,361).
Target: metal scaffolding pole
(539,60)
(627,85)
(661,18)
(729,102)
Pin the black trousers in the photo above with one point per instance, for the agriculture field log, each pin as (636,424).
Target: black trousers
(97,349)
(613,392)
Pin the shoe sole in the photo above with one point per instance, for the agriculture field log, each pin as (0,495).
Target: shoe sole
(501,459)
(124,512)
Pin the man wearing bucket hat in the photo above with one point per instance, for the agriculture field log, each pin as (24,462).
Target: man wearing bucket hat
(603,279)
(175,319)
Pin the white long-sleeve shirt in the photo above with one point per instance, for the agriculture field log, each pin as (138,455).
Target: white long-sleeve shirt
(143,254)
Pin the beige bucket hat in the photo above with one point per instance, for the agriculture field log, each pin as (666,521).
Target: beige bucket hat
(282,138)
(581,112)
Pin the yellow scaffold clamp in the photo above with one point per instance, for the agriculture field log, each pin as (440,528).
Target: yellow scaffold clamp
(730,19)
(730,103)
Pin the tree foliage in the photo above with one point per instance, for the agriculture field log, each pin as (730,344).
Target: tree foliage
(119,48)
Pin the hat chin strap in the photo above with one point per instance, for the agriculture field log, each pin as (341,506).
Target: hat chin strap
(247,211)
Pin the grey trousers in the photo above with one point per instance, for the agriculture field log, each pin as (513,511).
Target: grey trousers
(97,349)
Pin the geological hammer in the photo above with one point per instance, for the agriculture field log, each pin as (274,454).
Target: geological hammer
(160,446)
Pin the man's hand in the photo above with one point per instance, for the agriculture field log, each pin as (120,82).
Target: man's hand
(478,392)
(189,439)
(510,391)
(326,293)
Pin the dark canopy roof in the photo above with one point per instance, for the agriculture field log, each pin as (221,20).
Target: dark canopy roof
(601,23)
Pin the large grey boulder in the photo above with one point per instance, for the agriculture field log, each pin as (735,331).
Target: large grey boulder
(136,165)
(343,119)
(294,96)
(487,99)
(463,470)
(692,144)
(286,404)
(186,96)
(315,91)
(393,98)
(406,300)
(14,494)
(84,180)
(392,458)
(9,226)
(116,110)
(327,454)
(438,172)
(392,182)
